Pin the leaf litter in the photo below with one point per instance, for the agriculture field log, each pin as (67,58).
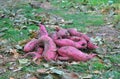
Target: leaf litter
(108,39)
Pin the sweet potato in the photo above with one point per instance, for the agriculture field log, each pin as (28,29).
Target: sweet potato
(35,55)
(74,38)
(68,42)
(82,44)
(64,42)
(40,50)
(62,33)
(42,30)
(54,36)
(30,45)
(90,45)
(69,52)
(49,52)
(74,32)
(85,37)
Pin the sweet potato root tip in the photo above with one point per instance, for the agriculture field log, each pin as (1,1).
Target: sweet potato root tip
(90,45)
(43,30)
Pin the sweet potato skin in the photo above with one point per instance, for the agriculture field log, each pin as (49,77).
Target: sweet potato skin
(30,45)
(74,54)
(64,42)
(39,50)
(74,32)
(35,55)
(49,52)
(62,33)
(90,45)
(75,38)
(42,30)
(67,42)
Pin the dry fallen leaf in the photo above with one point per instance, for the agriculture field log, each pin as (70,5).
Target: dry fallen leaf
(74,62)
(97,72)
(23,42)
(15,53)
(37,61)
(42,70)
(70,76)
(1,56)
(12,78)
(33,77)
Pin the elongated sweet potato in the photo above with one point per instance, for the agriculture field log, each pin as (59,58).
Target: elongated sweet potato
(74,32)
(64,42)
(42,30)
(67,42)
(30,45)
(49,52)
(75,38)
(69,52)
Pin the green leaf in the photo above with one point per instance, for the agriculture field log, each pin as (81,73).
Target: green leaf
(23,61)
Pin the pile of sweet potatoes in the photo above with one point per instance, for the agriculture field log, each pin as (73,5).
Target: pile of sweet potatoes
(63,44)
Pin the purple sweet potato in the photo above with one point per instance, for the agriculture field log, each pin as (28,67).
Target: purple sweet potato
(42,30)
(69,52)
(35,55)
(67,42)
(40,50)
(49,52)
(62,33)
(82,44)
(74,32)
(74,38)
(30,45)
(85,37)
(54,36)
(64,42)
(90,45)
